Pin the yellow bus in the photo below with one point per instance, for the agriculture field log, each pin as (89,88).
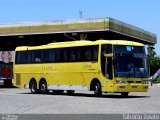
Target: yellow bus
(116,66)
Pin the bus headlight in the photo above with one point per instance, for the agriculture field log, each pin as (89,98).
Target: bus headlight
(121,82)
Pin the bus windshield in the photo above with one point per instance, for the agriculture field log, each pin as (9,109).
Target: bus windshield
(130,61)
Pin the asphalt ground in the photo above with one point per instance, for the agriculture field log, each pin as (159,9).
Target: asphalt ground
(21,101)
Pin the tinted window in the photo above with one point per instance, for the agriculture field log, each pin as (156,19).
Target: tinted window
(49,55)
(69,54)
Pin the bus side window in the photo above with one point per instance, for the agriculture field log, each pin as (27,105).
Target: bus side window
(62,56)
(21,57)
(48,55)
(94,53)
(38,56)
(57,54)
(74,51)
(30,55)
(65,56)
(78,54)
(72,55)
(87,53)
(82,53)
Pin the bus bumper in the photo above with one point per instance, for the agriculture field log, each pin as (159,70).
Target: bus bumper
(130,87)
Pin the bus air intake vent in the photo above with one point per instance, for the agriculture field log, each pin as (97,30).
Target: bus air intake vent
(138,81)
(18,80)
(130,81)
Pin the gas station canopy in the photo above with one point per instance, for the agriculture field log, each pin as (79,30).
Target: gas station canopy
(37,33)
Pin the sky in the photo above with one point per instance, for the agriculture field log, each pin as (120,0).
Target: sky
(144,14)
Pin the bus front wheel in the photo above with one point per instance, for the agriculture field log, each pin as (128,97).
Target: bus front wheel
(97,89)
(33,87)
(43,87)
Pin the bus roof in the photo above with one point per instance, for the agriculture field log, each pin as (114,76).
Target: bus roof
(78,43)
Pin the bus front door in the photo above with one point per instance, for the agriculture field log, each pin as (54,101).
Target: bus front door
(108,66)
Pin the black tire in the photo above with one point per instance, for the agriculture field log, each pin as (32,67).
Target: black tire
(124,94)
(43,87)
(33,87)
(97,89)
(70,92)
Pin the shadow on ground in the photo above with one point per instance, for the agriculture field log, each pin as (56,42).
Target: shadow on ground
(115,96)
(6,86)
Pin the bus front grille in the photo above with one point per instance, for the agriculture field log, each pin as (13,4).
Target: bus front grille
(18,79)
(134,81)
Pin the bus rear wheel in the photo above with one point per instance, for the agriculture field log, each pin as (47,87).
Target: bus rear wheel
(97,89)
(43,87)
(124,94)
(33,87)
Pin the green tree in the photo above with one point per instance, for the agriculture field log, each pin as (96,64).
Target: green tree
(154,60)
